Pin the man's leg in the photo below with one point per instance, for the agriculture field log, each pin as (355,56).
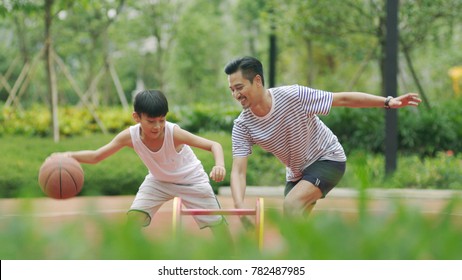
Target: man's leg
(301,199)
(318,179)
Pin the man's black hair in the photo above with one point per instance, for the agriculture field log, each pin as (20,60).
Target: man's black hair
(249,66)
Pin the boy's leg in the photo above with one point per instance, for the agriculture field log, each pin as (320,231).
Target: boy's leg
(201,196)
(222,231)
(138,218)
(147,202)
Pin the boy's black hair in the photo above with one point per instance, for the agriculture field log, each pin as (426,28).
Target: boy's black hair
(249,66)
(153,103)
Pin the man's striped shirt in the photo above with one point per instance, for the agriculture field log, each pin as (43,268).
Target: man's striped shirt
(291,130)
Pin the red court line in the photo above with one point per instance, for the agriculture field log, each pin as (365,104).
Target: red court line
(218,212)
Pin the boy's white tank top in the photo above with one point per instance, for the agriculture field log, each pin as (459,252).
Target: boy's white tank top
(168,165)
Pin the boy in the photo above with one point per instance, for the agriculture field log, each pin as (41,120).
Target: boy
(174,169)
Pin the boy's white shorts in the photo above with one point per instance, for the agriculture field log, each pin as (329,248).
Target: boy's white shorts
(153,194)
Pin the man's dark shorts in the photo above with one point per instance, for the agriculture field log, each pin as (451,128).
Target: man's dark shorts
(325,174)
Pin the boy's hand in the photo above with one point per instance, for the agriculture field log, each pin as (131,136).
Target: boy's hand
(218,173)
(63,154)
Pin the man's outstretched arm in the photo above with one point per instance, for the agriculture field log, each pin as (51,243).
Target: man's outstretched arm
(365,100)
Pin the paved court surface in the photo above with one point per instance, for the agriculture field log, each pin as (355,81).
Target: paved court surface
(344,201)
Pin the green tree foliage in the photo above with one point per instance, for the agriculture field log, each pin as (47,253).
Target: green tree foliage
(426,21)
(18,42)
(195,69)
(333,31)
(181,46)
(251,25)
(143,36)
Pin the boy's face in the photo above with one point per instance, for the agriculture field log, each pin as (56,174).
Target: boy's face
(151,127)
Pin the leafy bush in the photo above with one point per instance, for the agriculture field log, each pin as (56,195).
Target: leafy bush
(420,131)
(23,156)
(73,121)
(431,131)
(37,120)
(122,173)
(357,129)
(207,117)
(439,172)
(33,122)
(429,141)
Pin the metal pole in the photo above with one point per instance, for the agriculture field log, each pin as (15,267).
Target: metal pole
(391,84)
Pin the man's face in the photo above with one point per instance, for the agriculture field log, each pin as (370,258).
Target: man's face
(241,88)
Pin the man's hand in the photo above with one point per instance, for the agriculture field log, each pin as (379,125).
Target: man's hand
(248,225)
(410,99)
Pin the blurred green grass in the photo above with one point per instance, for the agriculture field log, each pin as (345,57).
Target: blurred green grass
(402,233)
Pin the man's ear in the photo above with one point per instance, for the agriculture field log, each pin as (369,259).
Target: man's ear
(257,80)
(136,117)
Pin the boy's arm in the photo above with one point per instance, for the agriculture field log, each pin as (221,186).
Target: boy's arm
(181,136)
(365,100)
(123,139)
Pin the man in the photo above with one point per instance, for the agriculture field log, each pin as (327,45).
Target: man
(284,122)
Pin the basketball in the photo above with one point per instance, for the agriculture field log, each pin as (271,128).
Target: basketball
(61,177)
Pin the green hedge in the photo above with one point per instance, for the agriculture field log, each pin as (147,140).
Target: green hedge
(413,171)
(74,121)
(206,117)
(420,130)
(428,139)
(122,173)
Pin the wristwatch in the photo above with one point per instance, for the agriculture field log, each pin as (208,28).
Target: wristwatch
(387,101)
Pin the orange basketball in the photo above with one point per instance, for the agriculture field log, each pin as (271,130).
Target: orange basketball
(61,177)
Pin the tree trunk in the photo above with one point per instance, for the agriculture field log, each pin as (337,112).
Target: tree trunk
(309,45)
(407,56)
(21,39)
